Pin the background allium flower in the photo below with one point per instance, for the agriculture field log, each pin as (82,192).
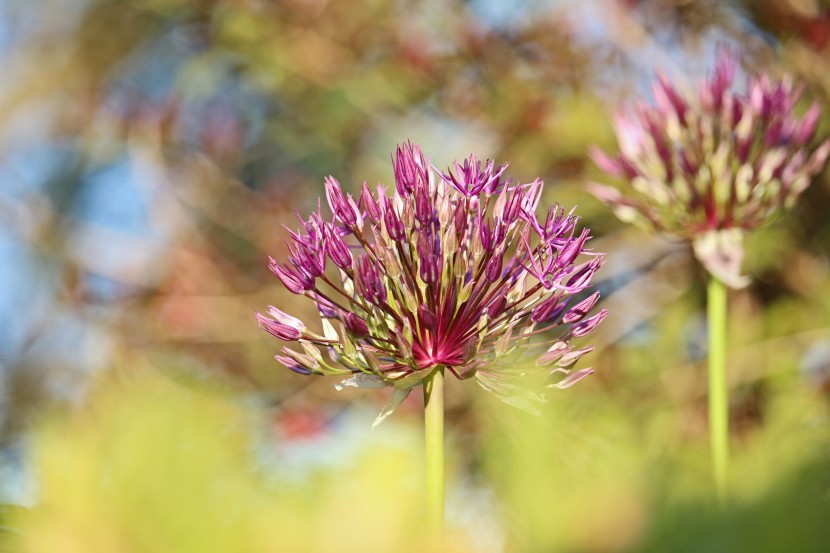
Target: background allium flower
(711,165)
(451,270)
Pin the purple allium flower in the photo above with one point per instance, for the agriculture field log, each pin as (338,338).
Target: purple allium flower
(711,165)
(451,270)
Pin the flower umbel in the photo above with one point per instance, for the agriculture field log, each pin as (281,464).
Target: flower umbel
(709,166)
(450,271)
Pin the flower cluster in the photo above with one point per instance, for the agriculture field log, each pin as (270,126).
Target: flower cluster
(452,270)
(707,167)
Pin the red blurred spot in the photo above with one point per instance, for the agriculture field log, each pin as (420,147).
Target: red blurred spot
(304,423)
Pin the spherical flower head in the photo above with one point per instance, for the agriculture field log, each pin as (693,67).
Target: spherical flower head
(709,166)
(452,270)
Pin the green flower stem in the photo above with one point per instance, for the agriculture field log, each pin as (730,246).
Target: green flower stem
(718,392)
(434,433)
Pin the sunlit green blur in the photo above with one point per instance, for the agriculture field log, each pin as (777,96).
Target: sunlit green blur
(156,464)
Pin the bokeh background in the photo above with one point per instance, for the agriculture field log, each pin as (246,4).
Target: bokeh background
(150,152)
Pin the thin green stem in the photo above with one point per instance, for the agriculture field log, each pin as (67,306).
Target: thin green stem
(718,388)
(434,434)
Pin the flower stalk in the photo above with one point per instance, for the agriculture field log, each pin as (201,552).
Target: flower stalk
(434,440)
(718,386)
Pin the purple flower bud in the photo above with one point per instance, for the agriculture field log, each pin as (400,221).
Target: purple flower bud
(296,281)
(460,219)
(285,318)
(337,248)
(606,163)
(578,311)
(582,277)
(324,308)
(343,207)
(408,214)
(514,207)
(586,326)
(423,205)
(714,90)
(572,249)
(667,96)
(485,234)
(410,168)
(737,112)
(394,225)
(277,329)
(369,204)
(494,266)
(430,271)
(371,281)
(472,180)
(312,258)
(774,134)
(570,357)
(549,309)
(807,126)
(293,365)
(427,318)
(553,354)
(498,304)
(574,377)
(356,325)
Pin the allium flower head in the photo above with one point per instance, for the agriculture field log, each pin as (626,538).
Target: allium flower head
(451,270)
(709,166)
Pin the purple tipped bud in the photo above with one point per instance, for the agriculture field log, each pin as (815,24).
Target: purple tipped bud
(471,180)
(324,308)
(582,277)
(410,168)
(356,325)
(606,163)
(485,234)
(371,281)
(368,203)
(737,112)
(430,272)
(423,205)
(570,357)
(586,326)
(337,249)
(496,307)
(721,80)
(460,219)
(293,365)
(554,354)
(574,377)
(572,250)
(394,225)
(343,208)
(514,207)
(427,318)
(296,281)
(285,318)
(668,98)
(312,258)
(549,309)
(494,266)
(807,127)
(578,311)
(277,329)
